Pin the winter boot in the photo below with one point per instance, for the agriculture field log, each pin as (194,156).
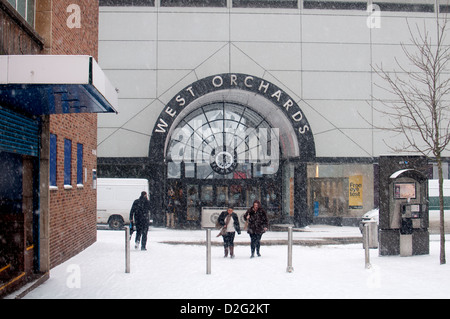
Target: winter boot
(232,251)
(136,245)
(226,253)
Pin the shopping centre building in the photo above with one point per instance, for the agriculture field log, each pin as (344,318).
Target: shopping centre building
(215,102)
(228,101)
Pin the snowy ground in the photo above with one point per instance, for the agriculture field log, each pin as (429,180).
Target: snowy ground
(178,271)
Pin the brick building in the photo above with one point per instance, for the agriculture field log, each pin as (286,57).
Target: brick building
(51,89)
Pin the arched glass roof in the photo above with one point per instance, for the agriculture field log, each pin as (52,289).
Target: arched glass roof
(225,138)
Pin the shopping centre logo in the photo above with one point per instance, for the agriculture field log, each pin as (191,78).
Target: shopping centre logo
(374,19)
(225,149)
(234,81)
(296,135)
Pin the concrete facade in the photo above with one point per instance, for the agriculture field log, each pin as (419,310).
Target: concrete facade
(320,53)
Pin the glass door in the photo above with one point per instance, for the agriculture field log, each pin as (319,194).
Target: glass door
(252,193)
(193,203)
(237,195)
(222,196)
(206,196)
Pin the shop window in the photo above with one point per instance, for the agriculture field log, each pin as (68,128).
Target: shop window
(330,196)
(53,159)
(67,163)
(79,164)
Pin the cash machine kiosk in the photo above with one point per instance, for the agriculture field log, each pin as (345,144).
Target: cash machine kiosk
(403,206)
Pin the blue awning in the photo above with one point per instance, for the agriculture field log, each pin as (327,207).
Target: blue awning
(49,84)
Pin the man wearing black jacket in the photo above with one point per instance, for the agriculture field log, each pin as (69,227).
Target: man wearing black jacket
(140,214)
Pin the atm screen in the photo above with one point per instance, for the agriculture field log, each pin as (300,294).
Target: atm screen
(404,190)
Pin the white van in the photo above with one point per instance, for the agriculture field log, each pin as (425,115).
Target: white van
(433,194)
(434,207)
(115,196)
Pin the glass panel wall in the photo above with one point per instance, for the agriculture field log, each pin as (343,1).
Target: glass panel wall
(223,154)
(223,141)
(340,191)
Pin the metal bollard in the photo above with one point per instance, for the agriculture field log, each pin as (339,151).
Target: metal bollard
(208,251)
(366,245)
(289,266)
(127,249)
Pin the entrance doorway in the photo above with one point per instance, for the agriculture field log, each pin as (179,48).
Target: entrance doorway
(190,196)
(18,223)
(219,155)
(221,141)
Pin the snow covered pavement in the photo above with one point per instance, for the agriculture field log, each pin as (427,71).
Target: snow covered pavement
(178,271)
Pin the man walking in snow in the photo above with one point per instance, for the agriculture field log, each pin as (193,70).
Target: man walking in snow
(140,214)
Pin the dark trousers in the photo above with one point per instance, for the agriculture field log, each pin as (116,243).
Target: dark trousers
(255,242)
(141,235)
(228,239)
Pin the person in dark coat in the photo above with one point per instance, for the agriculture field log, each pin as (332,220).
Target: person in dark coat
(230,225)
(258,223)
(170,210)
(140,214)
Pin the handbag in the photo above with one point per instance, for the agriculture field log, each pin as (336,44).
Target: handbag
(223,231)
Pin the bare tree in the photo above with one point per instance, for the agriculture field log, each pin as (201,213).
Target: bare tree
(420,109)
